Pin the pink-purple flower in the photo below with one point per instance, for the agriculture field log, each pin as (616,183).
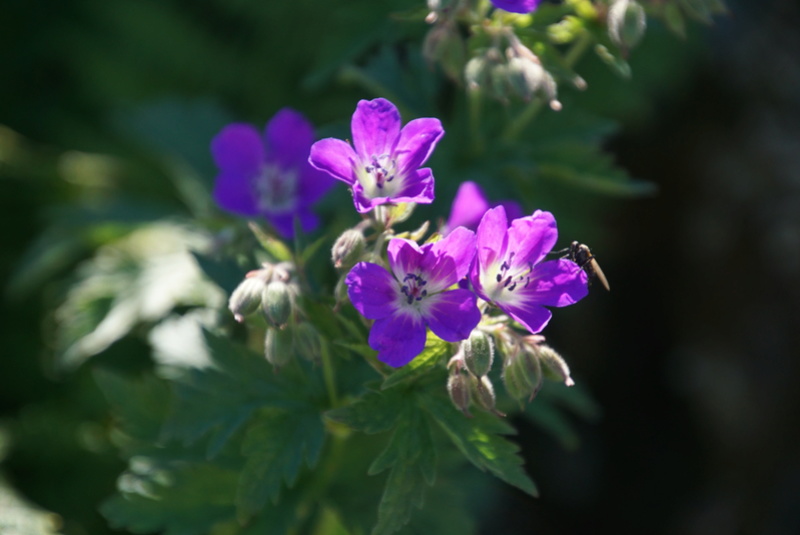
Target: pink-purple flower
(268,175)
(469,205)
(415,294)
(511,272)
(517,6)
(383,164)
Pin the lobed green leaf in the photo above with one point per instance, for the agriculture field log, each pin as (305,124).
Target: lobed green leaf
(276,445)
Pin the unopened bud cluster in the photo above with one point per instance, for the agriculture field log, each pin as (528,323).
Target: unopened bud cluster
(468,380)
(273,291)
(270,289)
(526,362)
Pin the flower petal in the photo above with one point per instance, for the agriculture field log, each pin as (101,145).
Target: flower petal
(450,258)
(238,150)
(453,314)
(335,157)
(372,290)
(289,137)
(375,127)
(234,192)
(513,209)
(405,257)
(469,205)
(556,283)
(492,239)
(531,315)
(284,223)
(517,6)
(417,141)
(532,237)
(398,339)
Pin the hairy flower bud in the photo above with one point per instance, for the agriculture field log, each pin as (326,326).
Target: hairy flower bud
(278,345)
(483,392)
(459,389)
(478,353)
(246,298)
(307,341)
(626,23)
(522,375)
(347,249)
(276,301)
(554,366)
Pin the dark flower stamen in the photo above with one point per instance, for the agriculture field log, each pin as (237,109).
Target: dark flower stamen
(379,172)
(414,291)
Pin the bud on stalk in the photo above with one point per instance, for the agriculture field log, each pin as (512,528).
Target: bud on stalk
(347,249)
(478,353)
(276,301)
(246,298)
(278,346)
(459,390)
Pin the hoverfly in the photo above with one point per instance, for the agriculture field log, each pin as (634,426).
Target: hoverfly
(583,256)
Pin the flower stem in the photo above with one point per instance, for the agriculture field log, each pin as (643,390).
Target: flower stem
(329,374)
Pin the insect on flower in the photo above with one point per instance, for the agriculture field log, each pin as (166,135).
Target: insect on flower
(583,256)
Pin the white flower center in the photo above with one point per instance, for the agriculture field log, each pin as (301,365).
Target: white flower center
(276,189)
(379,176)
(501,279)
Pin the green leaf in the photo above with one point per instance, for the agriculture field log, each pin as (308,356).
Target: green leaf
(178,498)
(139,404)
(374,412)
(412,457)
(587,167)
(405,490)
(277,250)
(216,401)
(275,446)
(479,440)
(140,278)
(435,350)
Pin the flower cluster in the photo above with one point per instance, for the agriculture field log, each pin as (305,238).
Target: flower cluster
(481,277)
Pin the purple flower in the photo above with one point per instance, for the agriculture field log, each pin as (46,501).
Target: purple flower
(416,295)
(471,203)
(509,272)
(517,6)
(268,175)
(383,164)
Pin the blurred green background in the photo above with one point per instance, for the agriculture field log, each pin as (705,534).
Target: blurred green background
(692,356)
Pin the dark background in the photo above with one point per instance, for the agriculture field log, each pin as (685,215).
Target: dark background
(692,356)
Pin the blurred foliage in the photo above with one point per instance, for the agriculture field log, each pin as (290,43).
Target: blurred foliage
(107,112)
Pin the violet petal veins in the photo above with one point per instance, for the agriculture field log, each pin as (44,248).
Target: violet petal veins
(510,271)
(383,164)
(268,175)
(415,294)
